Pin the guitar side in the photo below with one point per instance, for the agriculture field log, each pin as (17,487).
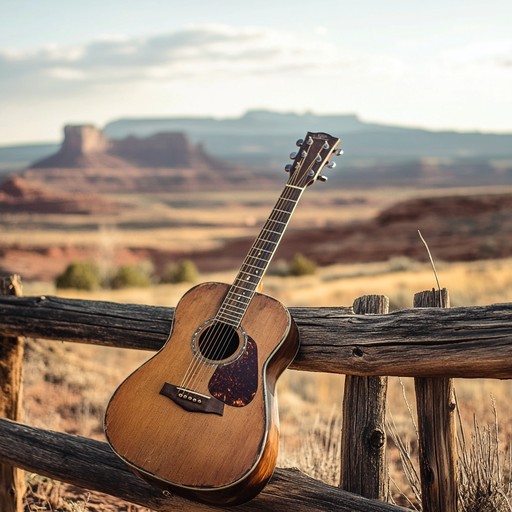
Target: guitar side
(224,455)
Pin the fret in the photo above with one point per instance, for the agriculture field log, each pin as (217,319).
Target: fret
(288,199)
(271,231)
(267,240)
(293,186)
(279,222)
(228,321)
(242,287)
(259,249)
(253,266)
(239,298)
(248,274)
(280,211)
(249,257)
(227,316)
(223,308)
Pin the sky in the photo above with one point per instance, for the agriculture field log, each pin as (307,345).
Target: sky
(436,64)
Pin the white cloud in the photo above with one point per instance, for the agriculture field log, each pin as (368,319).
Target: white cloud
(225,70)
(194,51)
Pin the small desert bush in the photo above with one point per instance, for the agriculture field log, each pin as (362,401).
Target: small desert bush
(130,276)
(82,275)
(182,271)
(301,266)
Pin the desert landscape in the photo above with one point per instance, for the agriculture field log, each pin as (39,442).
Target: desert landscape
(149,202)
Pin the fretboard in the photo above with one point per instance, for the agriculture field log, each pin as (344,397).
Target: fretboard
(258,259)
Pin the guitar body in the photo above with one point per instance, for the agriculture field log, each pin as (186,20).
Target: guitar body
(202,423)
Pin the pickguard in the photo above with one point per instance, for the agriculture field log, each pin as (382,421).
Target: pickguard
(236,384)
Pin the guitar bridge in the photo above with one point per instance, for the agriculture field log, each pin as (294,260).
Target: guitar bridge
(191,400)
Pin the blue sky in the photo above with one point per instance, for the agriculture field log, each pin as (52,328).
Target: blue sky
(438,65)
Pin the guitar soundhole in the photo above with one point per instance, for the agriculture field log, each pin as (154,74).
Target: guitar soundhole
(218,342)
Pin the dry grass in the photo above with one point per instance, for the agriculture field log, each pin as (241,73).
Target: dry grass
(67,386)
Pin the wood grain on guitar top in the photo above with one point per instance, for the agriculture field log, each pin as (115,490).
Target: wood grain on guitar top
(207,456)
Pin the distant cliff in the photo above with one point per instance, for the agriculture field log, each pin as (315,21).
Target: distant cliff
(89,162)
(85,146)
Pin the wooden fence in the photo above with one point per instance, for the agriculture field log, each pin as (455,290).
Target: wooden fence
(366,343)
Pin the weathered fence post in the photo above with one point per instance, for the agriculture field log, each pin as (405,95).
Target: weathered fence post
(12,480)
(363,443)
(435,401)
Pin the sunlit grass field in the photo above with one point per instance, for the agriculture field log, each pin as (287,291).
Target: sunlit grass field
(62,390)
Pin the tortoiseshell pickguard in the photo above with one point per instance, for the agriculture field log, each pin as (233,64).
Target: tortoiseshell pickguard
(236,384)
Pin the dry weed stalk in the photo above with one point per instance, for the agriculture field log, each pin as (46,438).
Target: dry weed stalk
(484,471)
(484,468)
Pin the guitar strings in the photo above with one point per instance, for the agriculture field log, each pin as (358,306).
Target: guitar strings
(191,375)
(212,337)
(222,344)
(215,330)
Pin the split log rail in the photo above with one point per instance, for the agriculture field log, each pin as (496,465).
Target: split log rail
(366,343)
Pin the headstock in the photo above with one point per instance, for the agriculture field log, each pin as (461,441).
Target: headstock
(312,156)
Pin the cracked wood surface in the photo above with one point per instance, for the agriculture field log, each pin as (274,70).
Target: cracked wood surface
(474,342)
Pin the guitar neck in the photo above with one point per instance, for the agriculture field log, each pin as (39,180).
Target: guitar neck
(258,258)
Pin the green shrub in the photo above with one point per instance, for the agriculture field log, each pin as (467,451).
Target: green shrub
(82,275)
(183,271)
(130,276)
(301,266)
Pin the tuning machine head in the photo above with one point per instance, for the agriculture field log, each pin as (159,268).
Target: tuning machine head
(288,167)
(322,178)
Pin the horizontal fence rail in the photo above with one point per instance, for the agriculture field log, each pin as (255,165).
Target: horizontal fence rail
(92,465)
(470,342)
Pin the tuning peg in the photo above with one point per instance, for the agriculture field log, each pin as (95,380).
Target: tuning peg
(300,142)
(309,141)
(326,145)
(322,178)
(339,152)
(293,155)
(288,167)
(331,165)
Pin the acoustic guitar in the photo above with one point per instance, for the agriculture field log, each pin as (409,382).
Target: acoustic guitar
(200,417)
